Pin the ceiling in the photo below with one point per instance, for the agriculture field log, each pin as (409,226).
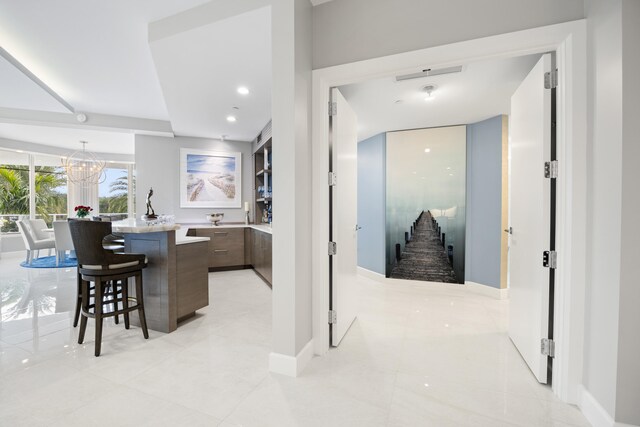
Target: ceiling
(97,57)
(201,69)
(69,138)
(482,90)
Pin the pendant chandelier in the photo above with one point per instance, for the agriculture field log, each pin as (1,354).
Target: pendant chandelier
(83,167)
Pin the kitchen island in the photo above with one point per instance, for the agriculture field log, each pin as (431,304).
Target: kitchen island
(176,281)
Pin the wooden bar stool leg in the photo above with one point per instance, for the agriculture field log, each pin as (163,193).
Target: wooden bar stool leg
(98,314)
(84,292)
(143,319)
(114,291)
(125,301)
(76,317)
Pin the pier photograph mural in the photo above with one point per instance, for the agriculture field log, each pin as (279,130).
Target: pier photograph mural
(210,179)
(425,204)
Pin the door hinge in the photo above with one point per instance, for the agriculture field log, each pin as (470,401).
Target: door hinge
(333,108)
(333,178)
(550,259)
(551,79)
(333,248)
(548,347)
(333,317)
(551,169)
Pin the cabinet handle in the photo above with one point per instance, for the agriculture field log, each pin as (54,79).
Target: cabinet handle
(220,250)
(220,232)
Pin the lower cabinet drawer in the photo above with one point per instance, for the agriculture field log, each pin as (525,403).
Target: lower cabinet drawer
(226,247)
(226,257)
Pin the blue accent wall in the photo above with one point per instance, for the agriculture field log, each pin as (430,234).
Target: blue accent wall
(372,203)
(484,202)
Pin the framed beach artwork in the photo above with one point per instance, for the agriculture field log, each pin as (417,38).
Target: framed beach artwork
(210,179)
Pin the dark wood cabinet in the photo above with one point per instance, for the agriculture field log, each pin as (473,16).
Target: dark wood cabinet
(192,290)
(226,247)
(238,247)
(261,254)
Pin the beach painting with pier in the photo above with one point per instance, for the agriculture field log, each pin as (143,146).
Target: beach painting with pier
(209,179)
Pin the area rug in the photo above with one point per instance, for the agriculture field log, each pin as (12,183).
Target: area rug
(50,262)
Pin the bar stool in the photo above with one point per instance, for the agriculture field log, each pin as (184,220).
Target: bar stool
(107,270)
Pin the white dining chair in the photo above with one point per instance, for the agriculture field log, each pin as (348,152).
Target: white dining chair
(31,242)
(64,243)
(38,228)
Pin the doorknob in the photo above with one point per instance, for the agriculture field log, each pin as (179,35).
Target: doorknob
(509,230)
(358,227)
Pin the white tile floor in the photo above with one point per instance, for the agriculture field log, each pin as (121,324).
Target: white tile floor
(418,355)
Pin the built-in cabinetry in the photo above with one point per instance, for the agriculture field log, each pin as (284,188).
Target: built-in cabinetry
(238,247)
(262,167)
(226,247)
(261,254)
(192,291)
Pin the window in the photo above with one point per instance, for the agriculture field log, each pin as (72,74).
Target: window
(51,189)
(14,189)
(114,191)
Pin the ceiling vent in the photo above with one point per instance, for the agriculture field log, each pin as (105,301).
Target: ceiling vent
(430,73)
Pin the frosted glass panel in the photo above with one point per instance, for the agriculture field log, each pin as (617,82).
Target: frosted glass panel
(426,172)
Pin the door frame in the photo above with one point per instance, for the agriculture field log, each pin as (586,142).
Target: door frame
(569,41)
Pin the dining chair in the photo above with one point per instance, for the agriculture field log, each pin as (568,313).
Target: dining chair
(31,242)
(64,243)
(38,228)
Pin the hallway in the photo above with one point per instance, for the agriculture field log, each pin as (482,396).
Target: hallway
(424,258)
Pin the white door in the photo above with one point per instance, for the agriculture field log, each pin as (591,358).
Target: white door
(529,209)
(344,215)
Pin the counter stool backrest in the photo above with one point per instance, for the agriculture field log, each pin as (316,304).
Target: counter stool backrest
(87,239)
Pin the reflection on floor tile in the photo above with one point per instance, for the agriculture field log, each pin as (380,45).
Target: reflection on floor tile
(418,355)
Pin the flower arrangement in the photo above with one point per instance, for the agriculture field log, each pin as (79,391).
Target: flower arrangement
(82,211)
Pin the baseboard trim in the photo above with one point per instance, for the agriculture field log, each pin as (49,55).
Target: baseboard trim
(288,365)
(487,290)
(594,412)
(371,274)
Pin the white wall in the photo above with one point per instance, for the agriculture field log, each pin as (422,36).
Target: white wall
(628,380)
(291,178)
(158,166)
(351,30)
(604,183)
(612,348)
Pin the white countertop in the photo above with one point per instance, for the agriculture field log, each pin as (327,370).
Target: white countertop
(135,226)
(184,240)
(265,228)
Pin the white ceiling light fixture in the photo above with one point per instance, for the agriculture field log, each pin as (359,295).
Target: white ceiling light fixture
(427,150)
(83,167)
(429,89)
(242,90)
(231,119)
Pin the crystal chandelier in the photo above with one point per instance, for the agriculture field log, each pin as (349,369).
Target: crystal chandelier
(83,167)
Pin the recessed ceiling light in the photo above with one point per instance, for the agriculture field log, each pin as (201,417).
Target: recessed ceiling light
(243,90)
(427,150)
(231,119)
(448,167)
(450,174)
(19,151)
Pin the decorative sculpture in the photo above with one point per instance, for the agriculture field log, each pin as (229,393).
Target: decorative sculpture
(151,215)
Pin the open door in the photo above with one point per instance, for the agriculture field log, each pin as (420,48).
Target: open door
(343,196)
(532,219)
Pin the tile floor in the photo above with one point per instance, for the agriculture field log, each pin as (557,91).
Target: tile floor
(418,355)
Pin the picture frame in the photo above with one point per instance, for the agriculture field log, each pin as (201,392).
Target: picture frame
(210,179)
